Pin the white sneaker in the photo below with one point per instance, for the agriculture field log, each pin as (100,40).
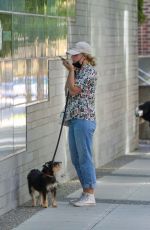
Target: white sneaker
(86,200)
(77,199)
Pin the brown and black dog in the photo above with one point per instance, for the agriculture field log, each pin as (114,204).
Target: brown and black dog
(44,181)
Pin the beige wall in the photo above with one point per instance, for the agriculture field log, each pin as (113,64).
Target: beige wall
(111,28)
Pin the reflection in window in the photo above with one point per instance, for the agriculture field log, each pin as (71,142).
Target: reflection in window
(18,36)
(31,40)
(6,131)
(62,36)
(34,72)
(6,85)
(42,80)
(18,5)
(43,7)
(19,127)
(31,32)
(8,81)
(6,30)
(6,5)
(2,85)
(51,7)
(19,79)
(30,6)
(51,37)
(71,8)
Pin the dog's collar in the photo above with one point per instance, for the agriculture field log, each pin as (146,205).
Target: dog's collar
(48,175)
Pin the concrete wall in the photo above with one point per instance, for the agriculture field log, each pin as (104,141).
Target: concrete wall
(111,27)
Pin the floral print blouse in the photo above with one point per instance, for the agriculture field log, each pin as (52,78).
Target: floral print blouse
(82,106)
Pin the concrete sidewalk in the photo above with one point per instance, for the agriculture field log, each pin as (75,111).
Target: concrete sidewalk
(123,202)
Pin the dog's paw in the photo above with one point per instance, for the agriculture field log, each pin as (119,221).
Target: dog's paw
(54,205)
(33,203)
(45,206)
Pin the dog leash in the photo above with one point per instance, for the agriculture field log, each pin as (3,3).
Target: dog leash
(61,127)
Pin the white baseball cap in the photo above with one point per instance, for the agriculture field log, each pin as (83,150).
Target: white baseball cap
(80,47)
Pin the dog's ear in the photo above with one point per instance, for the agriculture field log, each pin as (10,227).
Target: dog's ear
(48,164)
(45,167)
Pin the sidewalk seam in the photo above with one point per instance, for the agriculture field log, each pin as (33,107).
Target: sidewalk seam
(102,217)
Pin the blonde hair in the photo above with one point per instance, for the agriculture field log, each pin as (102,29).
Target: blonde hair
(90,59)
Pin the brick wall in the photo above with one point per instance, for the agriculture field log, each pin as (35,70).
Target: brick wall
(144,32)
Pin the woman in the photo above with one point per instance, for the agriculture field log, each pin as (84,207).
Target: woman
(80,114)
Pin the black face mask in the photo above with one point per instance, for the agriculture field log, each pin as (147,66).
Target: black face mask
(77,65)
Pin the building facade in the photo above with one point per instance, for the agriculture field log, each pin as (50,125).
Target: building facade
(32,81)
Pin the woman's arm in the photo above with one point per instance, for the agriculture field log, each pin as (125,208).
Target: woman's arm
(70,83)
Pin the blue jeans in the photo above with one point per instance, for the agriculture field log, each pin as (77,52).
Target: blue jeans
(80,143)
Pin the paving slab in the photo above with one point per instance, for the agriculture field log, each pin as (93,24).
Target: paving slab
(136,167)
(110,191)
(123,203)
(120,188)
(67,217)
(141,194)
(126,217)
(101,217)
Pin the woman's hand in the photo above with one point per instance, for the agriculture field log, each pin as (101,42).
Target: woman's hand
(68,65)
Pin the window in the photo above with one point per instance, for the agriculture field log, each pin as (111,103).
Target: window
(31,32)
